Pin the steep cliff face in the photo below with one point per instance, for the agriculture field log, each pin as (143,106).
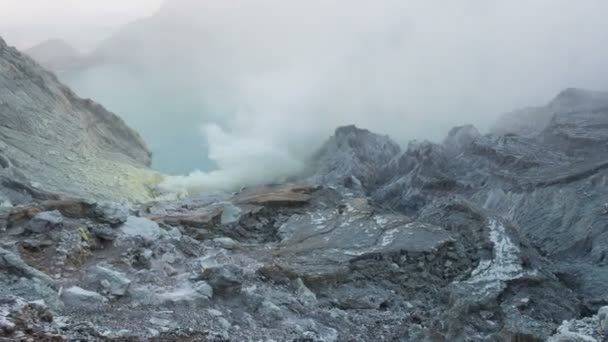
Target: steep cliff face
(65,144)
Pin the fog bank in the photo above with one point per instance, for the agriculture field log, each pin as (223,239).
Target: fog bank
(249,89)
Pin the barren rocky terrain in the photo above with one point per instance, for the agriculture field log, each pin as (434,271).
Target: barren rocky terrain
(496,237)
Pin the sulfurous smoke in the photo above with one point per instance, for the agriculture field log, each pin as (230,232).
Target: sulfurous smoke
(240,160)
(296,70)
(246,90)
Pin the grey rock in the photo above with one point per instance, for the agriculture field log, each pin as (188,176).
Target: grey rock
(13,308)
(460,138)
(223,278)
(160,322)
(226,243)
(79,297)
(584,330)
(311,330)
(114,282)
(185,293)
(352,151)
(513,177)
(32,289)
(224,323)
(5,203)
(361,298)
(36,244)
(356,233)
(304,295)
(153,332)
(603,317)
(215,313)
(12,263)
(270,312)
(139,227)
(104,232)
(168,258)
(175,233)
(528,178)
(571,337)
(45,221)
(204,289)
(111,212)
(230,213)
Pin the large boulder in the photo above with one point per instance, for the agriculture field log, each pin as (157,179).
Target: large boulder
(139,227)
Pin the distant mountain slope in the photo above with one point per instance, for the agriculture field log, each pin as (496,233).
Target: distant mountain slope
(53,140)
(532,120)
(55,54)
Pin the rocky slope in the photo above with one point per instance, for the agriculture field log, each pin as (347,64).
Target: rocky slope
(481,238)
(53,141)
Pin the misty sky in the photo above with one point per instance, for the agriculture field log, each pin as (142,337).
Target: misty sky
(28,22)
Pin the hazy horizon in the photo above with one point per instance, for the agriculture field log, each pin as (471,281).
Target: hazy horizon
(26,23)
(249,83)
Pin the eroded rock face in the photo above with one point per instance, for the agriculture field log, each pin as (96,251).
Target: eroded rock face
(55,142)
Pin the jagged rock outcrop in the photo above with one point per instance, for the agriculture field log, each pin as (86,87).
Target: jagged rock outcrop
(547,178)
(548,181)
(353,156)
(52,141)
